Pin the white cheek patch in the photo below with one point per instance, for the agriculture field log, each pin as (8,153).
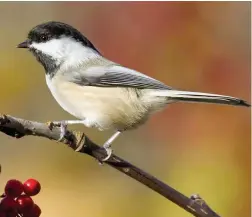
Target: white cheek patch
(67,50)
(53,48)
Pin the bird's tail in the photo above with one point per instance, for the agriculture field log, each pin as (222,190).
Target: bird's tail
(178,95)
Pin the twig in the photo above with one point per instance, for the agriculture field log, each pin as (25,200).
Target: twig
(78,141)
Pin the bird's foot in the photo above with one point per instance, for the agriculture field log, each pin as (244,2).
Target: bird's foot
(109,152)
(62,125)
(107,147)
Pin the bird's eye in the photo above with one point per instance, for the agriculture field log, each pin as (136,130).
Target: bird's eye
(43,37)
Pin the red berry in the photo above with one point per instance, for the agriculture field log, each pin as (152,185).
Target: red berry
(34,212)
(8,204)
(13,188)
(11,214)
(32,187)
(25,203)
(2,214)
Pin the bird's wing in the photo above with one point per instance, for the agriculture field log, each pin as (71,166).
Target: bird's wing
(116,76)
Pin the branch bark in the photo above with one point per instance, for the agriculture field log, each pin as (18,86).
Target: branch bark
(78,141)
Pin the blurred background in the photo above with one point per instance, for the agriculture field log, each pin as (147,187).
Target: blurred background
(195,148)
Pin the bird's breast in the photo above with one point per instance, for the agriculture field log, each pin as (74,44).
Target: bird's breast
(101,107)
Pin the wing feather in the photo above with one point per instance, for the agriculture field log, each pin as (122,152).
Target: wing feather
(117,76)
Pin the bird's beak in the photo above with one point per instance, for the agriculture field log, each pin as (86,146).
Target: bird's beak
(24,44)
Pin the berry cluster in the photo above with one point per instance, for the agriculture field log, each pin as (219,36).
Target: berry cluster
(17,201)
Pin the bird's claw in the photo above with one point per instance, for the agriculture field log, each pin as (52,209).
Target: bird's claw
(63,129)
(109,152)
(62,125)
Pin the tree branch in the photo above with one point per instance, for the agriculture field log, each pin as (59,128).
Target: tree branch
(78,141)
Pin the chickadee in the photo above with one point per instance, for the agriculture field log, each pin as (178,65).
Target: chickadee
(97,91)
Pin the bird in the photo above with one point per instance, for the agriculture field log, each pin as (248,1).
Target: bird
(98,92)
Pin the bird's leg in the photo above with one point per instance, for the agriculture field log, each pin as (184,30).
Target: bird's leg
(63,126)
(107,145)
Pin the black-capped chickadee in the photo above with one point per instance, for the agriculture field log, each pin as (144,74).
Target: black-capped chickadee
(97,91)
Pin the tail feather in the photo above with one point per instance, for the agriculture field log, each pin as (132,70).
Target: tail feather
(187,96)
